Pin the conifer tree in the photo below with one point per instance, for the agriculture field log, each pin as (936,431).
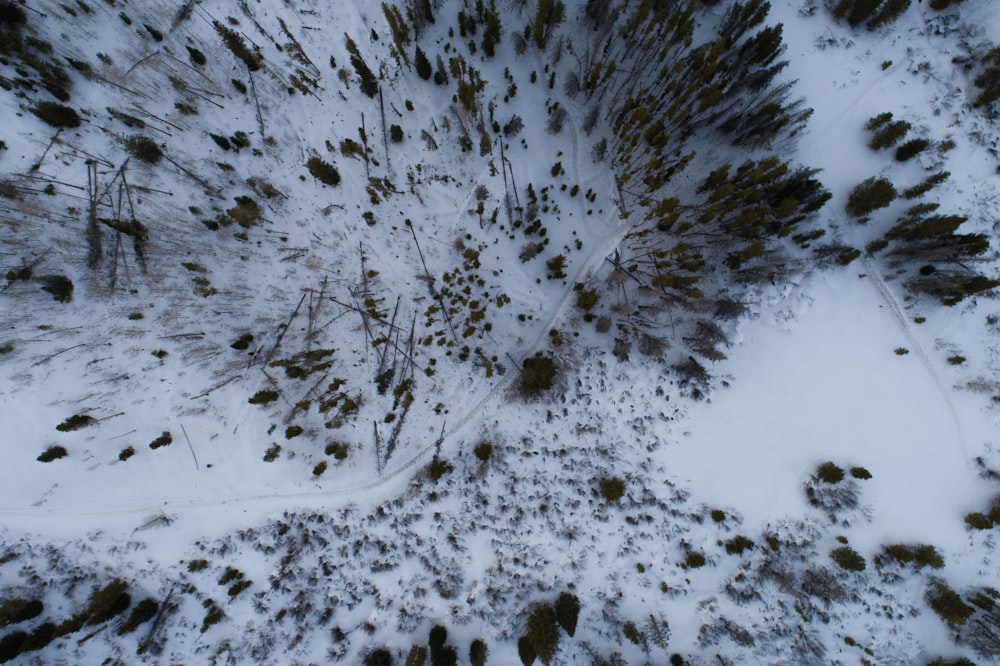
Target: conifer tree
(369,84)
(423,65)
(567,612)
(543,633)
(869,196)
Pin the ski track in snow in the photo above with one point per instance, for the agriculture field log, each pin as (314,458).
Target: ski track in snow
(885,295)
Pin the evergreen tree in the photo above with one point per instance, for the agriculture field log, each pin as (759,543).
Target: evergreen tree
(567,612)
(525,651)
(477,652)
(424,69)
(989,79)
(543,633)
(369,84)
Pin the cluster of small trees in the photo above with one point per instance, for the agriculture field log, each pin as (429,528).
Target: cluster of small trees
(541,638)
(104,604)
(870,13)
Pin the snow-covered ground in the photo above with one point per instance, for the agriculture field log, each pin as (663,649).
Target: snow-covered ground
(840,365)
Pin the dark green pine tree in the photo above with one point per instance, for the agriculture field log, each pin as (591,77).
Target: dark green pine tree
(424,69)
(369,84)
(567,612)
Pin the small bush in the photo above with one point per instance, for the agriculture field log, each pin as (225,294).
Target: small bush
(860,473)
(52,453)
(483,451)
(396,133)
(323,171)
(144,611)
(830,473)
(948,604)
(718,515)
(16,610)
(238,587)
(319,468)
(60,286)
(956,360)
(143,149)
(338,450)
(272,453)
(538,373)
(196,56)
(263,397)
(911,148)
(847,558)
(978,521)
(56,115)
(994,512)
(243,342)
(11,14)
(738,544)
(694,560)
(477,652)
(165,439)
(229,575)
(197,565)
(612,488)
(926,555)
(293,431)
(901,351)
(76,422)
(213,615)
(126,453)
(438,468)
(380,657)
(889,135)
(587,299)
(10,645)
(107,602)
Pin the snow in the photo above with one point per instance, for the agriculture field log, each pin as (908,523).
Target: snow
(375,547)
